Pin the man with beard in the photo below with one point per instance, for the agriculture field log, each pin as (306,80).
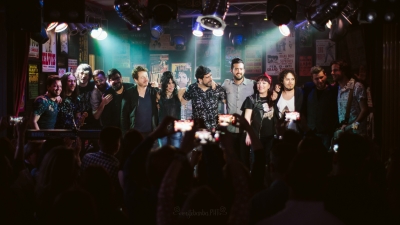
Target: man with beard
(321,107)
(237,90)
(111,115)
(140,111)
(68,110)
(289,99)
(45,108)
(101,94)
(205,95)
(84,75)
(349,92)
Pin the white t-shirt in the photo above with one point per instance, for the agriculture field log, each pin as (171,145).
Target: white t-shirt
(285,105)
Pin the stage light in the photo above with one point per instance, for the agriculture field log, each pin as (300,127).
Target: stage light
(197,29)
(318,16)
(285,31)
(218,33)
(329,24)
(162,11)
(178,40)
(102,36)
(236,39)
(73,29)
(156,32)
(61,27)
(40,37)
(51,26)
(82,29)
(214,14)
(281,11)
(384,11)
(95,33)
(131,11)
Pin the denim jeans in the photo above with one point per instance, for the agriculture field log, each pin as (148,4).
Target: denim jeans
(173,139)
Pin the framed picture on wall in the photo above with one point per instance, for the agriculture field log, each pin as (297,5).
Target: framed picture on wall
(182,73)
(253,59)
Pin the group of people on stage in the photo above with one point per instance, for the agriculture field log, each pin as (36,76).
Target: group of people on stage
(319,106)
(250,175)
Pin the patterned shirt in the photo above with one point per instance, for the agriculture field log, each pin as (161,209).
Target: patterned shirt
(109,162)
(236,94)
(343,96)
(66,113)
(47,109)
(205,103)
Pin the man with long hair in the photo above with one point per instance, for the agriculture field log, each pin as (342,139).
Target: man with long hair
(69,111)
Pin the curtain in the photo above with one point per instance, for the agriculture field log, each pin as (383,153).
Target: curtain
(20,45)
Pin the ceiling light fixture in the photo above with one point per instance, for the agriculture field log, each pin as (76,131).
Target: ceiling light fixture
(214,15)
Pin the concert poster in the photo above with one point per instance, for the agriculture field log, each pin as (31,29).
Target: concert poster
(33,81)
(49,53)
(182,73)
(280,51)
(72,65)
(325,52)
(305,64)
(159,63)
(253,59)
(33,49)
(230,53)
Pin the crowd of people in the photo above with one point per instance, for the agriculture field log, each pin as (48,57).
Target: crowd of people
(290,155)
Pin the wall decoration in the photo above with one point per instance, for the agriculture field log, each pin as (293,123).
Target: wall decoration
(83,49)
(61,71)
(158,65)
(280,52)
(305,64)
(64,42)
(183,74)
(208,53)
(33,49)
(33,85)
(253,59)
(325,52)
(231,53)
(72,65)
(49,53)
(163,43)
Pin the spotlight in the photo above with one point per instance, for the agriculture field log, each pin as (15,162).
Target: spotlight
(218,33)
(95,33)
(162,11)
(285,31)
(179,41)
(214,14)
(236,39)
(40,37)
(156,32)
(51,26)
(102,36)
(281,11)
(73,29)
(372,11)
(82,29)
(197,29)
(131,11)
(318,16)
(61,27)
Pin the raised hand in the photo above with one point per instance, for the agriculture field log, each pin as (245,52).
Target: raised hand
(106,99)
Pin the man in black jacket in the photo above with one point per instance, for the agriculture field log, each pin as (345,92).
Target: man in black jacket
(321,111)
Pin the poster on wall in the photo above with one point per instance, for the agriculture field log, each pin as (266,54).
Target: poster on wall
(33,85)
(83,49)
(253,59)
(72,65)
(49,52)
(64,42)
(280,52)
(305,64)
(158,65)
(122,56)
(326,51)
(208,53)
(231,53)
(182,73)
(61,71)
(33,49)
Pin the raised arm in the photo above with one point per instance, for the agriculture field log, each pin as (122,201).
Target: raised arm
(181,92)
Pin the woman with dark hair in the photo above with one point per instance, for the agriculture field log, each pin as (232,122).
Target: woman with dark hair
(169,105)
(69,111)
(259,112)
